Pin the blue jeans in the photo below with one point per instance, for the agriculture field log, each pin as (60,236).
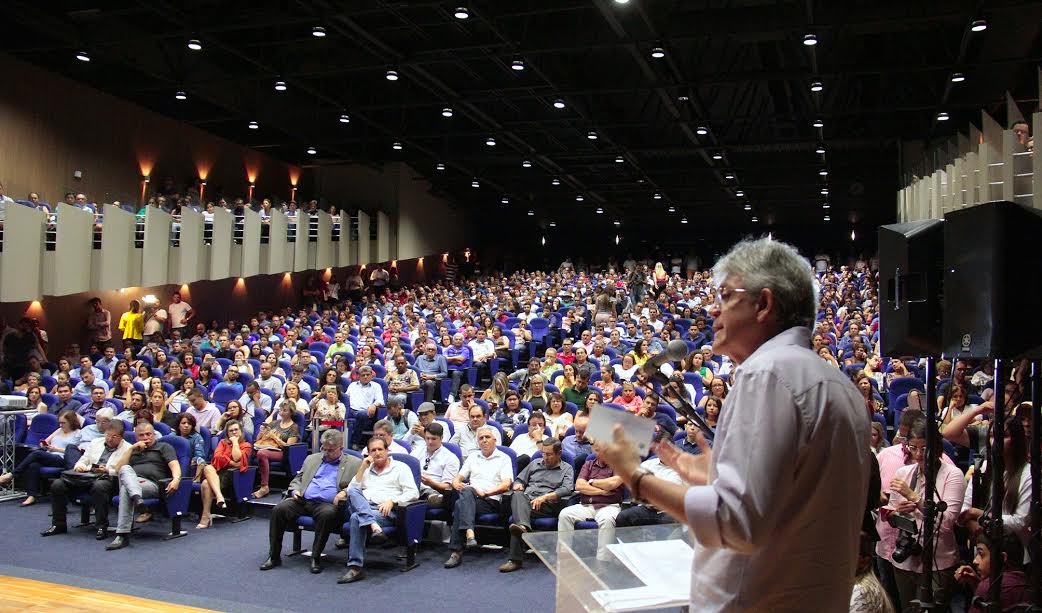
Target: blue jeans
(362,513)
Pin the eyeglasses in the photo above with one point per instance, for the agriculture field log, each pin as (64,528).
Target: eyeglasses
(724,295)
(916,448)
(426,463)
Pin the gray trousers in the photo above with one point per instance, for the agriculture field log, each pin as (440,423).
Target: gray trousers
(131,488)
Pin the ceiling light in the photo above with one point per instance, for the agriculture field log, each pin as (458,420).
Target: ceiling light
(620,160)
(180,95)
(526,163)
(755,219)
(820,150)
(657,196)
(591,135)
(617,239)
(439,166)
(490,141)
(683,98)
(826,205)
(553,224)
(853,236)
(253,125)
(824,191)
(739,193)
(531,213)
(701,130)
(978,25)
(683,220)
(810,40)
(505,200)
(818,123)
(318,32)
(622,1)
(718,156)
(280,86)
(827,218)
(600,211)
(579,198)
(195,44)
(391,74)
(729,176)
(397,145)
(823,172)
(942,116)
(555,181)
(617,223)
(475,184)
(461,12)
(672,209)
(658,53)
(559,103)
(312,151)
(958,77)
(82,56)
(518,64)
(446,112)
(345,118)
(748,206)
(816,86)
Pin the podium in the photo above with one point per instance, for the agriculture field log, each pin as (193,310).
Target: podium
(591,575)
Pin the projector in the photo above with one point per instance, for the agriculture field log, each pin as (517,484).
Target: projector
(13,403)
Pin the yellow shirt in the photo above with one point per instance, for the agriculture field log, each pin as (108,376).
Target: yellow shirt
(132,325)
(638,360)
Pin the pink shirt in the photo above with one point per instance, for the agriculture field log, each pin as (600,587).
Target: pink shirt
(890,460)
(951,485)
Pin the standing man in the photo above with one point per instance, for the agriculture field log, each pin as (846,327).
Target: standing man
(179,313)
(99,324)
(790,461)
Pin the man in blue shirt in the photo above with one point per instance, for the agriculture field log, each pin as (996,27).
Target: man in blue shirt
(318,491)
(433,368)
(459,359)
(65,400)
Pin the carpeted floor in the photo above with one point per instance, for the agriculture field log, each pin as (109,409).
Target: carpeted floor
(217,569)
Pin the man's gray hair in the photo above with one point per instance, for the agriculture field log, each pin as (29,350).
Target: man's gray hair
(334,437)
(365,370)
(769,264)
(385,425)
(488,429)
(397,400)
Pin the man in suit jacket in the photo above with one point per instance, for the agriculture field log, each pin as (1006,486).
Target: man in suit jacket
(317,490)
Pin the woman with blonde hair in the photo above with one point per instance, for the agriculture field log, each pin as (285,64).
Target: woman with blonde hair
(536,394)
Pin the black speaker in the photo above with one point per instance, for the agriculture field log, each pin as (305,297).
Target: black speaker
(993,282)
(910,277)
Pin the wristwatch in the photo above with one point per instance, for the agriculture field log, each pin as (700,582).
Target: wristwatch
(637,478)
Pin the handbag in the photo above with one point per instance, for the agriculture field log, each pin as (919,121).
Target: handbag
(80,480)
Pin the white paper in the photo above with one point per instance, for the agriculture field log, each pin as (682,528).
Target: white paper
(663,566)
(640,430)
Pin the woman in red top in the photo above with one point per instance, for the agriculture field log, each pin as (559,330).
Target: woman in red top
(232,454)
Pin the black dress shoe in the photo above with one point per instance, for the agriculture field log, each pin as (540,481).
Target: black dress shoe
(341,543)
(54,530)
(455,559)
(271,563)
(101,533)
(316,566)
(378,538)
(354,573)
(121,541)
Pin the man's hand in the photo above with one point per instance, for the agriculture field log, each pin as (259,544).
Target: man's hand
(174,483)
(538,502)
(425,480)
(367,461)
(340,496)
(621,454)
(139,446)
(479,493)
(519,487)
(693,469)
(298,495)
(966,574)
(458,486)
(80,469)
(371,410)
(386,507)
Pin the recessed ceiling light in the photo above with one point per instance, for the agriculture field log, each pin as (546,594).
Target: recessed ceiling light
(683,98)
(253,125)
(475,183)
(195,44)
(555,181)
(810,40)
(542,241)
(559,103)
(526,163)
(318,32)
(531,213)
(658,53)
(312,151)
(818,123)
(748,206)
(397,145)
(280,86)
(591,135)
(600,211)
(617,223)
(729,176)
(518,64)
(701,130)
(641,181)
(505,200)
(672,209)
(490,141)
(978,25)
(827,218)
(756,219)
(718,156)
(657,196)
(816,86)
(942,116)
(823,172)
(826,205)
(82,56)
(622,1)
(439,166)
(553,224)
(391,74)
(824,191)
(446,112)
(739,193)
(958,77)
(579,198)
(620,160)
(461,12)
(180,95)
(820,149)
(345,118)
(683,220)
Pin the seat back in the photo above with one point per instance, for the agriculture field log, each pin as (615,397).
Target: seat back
(42,426)
(511,454)
(411,462)
(454,449)
(180,445)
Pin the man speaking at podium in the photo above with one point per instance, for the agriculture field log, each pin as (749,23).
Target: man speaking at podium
(776,506)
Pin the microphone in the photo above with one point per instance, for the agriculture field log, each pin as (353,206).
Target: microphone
(675,350)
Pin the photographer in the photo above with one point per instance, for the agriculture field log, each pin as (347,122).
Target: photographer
(906,502)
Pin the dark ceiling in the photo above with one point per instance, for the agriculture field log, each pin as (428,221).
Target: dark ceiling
(736,67)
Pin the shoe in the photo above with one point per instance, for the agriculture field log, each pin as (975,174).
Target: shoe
(354,573)
(378,538)
(54,530)
(341,543)
(262,492)
(6,478)
(510,566)
(472,544)
(518,529)
(121,541)
(143,518)
(435,500)
(101,533)
(222,505)
(202,525)
(30,501)
(271,563)
(455,559)
(316,566)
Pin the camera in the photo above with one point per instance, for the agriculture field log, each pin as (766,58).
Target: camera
(907,541)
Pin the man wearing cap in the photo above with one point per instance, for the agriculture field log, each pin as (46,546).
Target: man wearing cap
(416,435)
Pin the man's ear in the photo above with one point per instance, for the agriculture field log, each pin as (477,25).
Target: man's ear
(764,305)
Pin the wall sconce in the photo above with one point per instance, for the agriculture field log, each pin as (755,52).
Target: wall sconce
(146,178)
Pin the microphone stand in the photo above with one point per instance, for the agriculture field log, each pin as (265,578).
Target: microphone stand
(684,407)
(931,508)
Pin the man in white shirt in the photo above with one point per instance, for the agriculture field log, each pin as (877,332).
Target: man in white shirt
(253,400)
(364,398)
(155,320)
(416,437)
(467,437)
(379,485)
(179,312)
(438,466)
(483,350)
(383,429)
(268,382)
(481,482)
(206,414)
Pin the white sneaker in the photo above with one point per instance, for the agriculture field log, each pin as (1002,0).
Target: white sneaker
(451,399)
